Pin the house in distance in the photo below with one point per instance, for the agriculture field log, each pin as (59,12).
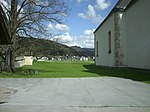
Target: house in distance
(123,38)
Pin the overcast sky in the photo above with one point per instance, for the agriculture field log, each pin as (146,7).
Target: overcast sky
(84,17)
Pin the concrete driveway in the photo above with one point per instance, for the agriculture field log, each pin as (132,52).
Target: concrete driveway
(76,95)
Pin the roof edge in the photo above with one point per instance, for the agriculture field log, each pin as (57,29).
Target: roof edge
(110,13)
(116,9)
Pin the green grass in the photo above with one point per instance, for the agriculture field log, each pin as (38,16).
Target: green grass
(53,70)
(76,69)
(133,74)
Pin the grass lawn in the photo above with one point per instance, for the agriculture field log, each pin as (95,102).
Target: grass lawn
(53,70)
(74,69)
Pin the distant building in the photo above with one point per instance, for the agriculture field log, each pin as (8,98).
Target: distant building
(28,60)
(23,60)
(123,38)
(4,35)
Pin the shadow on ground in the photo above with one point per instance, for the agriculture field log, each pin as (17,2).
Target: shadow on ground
(133,74)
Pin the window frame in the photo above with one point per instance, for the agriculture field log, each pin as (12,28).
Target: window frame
(109,42)
(97,49)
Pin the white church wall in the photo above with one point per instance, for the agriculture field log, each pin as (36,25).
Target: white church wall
(104,58)
(138,34)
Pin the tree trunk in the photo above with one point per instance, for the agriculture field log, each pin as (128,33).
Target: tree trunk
(7,63)
(12,61)
(9,60)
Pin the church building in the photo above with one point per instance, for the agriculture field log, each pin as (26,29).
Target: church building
(123,38)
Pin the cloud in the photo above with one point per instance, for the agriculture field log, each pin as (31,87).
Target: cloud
(58,27)
(40,2)
(90,14)
(65,38)
(86,40)
(79,1)
(92,11)
(50,26)
(102,4)
(62,27)
(88,32)
(4,3)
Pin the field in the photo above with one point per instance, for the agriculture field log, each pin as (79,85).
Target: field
(75,69)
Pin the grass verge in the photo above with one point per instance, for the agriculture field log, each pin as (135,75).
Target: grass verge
(72,69)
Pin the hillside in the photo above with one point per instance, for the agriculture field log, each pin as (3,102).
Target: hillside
(83,51)
(43,47)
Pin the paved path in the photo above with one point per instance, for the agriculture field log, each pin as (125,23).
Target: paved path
(76,95)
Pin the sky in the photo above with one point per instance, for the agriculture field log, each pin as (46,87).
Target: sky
(83,18)
(78,26)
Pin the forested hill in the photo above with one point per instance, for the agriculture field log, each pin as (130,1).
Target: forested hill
(83,51)
(43,47)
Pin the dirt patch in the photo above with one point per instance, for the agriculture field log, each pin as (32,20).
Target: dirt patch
(5,93)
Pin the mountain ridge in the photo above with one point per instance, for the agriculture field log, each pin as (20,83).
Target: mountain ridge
(44,47)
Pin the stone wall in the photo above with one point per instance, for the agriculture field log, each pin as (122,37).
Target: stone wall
(118,52)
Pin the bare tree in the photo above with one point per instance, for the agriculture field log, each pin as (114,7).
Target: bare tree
(30,18)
